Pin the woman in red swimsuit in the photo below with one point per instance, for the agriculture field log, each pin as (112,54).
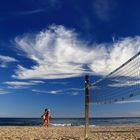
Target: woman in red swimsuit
(46,117)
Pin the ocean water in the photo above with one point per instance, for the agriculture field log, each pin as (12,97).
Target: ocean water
(68,121)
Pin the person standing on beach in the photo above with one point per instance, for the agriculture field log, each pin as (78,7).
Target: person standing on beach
(46,117)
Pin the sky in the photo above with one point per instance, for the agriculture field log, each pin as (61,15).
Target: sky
(48,46)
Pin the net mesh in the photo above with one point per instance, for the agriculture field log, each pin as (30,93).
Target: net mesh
(121,84)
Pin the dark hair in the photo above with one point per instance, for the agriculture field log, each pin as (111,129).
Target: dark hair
(46,110)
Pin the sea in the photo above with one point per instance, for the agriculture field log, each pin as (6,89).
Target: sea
(69,121)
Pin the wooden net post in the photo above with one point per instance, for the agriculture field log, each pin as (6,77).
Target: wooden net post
(86,106)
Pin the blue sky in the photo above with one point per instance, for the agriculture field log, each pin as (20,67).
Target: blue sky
(47,46)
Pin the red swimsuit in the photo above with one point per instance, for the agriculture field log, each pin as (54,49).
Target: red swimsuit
(47,119)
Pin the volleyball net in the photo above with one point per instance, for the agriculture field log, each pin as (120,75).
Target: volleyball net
(119,85)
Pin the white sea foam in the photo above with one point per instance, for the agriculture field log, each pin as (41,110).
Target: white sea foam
(92,125)
(89,125)
(61,124)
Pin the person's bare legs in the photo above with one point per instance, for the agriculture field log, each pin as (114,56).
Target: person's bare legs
(45,123)
(48,123)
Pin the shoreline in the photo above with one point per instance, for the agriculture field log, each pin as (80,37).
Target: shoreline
(129,132)
(69,125)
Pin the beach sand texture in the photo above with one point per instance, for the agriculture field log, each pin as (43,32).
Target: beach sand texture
(69,133)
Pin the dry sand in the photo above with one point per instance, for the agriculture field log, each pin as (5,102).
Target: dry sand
(69,133)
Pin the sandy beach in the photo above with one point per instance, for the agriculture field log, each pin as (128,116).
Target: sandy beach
(69,133)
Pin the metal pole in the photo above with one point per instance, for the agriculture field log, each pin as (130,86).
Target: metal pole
(86,106)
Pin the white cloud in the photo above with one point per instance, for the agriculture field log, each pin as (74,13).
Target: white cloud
(125,83)
(70,91)
(59,53)
(59,83)
(7,59)
(15,83)
(30,12)
(4,60)
(74,93)
(75,89)
(21,84)
(37,82)
(127,102)
(48,92)
(2,91)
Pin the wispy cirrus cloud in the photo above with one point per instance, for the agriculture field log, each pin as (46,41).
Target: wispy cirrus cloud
(11,14)
(37,82)
(21,84)
(59,83)
(5,60)
(30,12)
(125,83)
(48,92)
(3,91)
(59,53)
(70,91)
(128,101)
(104,9)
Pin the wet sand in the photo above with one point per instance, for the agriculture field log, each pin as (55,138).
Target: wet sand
(69,133)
